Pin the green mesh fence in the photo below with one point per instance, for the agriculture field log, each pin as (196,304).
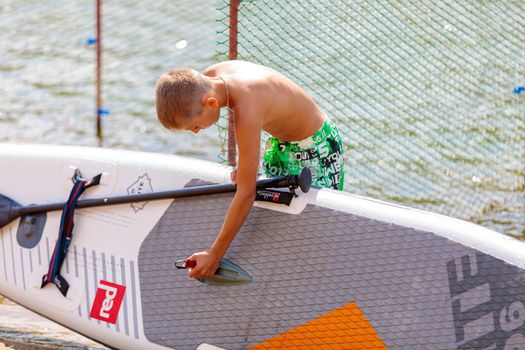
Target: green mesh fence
(426,94)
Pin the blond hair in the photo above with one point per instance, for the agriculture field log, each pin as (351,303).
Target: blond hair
(179,96)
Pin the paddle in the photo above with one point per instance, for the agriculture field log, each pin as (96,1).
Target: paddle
(11,210)
(228,273)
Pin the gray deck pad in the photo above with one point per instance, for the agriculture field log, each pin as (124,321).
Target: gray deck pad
(416,289)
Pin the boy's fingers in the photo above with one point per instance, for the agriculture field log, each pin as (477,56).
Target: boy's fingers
(199,273)
(193,272)
(233,176)
(190,263)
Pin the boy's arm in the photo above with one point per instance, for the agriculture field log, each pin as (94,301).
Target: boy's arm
(248,134)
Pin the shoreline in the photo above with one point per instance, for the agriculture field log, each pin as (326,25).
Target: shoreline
(22,329)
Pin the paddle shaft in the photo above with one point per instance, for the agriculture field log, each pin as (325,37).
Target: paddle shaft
(143,197)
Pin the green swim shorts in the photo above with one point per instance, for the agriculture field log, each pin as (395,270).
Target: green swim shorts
(322,153)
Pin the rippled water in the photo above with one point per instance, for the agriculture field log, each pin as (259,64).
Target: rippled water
(47,71)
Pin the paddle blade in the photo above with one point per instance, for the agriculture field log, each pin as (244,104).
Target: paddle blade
(228,273)
(9,210)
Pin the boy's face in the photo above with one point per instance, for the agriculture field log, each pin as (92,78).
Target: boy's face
(210,114)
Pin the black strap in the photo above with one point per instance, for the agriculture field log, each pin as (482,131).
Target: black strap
(65,233)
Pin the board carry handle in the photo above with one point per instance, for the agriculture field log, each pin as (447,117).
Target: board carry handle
(11,210)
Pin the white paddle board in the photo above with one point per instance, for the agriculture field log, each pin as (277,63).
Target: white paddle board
(332,269)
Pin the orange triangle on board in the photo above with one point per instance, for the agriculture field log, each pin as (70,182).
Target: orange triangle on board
(345,328)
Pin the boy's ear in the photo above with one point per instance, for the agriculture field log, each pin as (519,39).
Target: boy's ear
(209,100)
(212,101)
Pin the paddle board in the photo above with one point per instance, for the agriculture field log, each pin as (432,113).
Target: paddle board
(332,270)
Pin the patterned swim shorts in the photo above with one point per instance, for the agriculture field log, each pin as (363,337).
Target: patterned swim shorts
(322,153)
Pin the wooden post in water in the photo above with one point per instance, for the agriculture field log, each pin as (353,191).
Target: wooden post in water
(99,73)
(232,55)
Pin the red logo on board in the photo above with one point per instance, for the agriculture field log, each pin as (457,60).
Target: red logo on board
(108,300)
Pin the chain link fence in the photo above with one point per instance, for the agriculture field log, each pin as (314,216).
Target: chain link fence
(426,94)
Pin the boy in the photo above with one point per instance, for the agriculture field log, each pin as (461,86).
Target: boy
(261,99)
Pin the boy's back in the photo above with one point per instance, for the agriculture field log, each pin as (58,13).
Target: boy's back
(287,111)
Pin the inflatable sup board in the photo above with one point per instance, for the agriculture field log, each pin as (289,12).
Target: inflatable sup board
(331,270)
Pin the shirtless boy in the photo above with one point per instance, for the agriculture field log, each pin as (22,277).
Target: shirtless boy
(261,99)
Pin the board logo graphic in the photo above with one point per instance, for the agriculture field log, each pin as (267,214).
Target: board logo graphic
(142,185)
(488,303)
(108,300)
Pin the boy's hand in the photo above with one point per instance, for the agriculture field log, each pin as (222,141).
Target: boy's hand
(233,176)
(206,265)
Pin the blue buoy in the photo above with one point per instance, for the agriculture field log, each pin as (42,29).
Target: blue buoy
(103,112)
(519,89)
(91,41)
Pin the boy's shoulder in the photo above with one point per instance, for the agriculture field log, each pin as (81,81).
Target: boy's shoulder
(232,67)
(219,67)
